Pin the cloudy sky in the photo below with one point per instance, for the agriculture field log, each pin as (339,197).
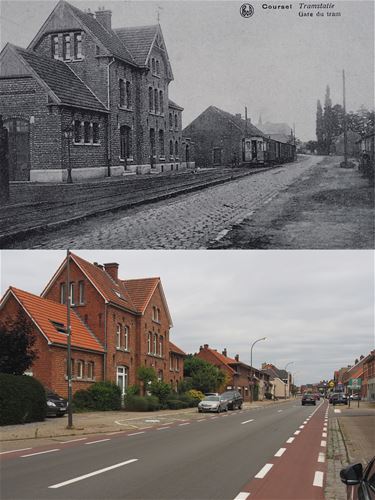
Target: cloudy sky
(314,307)
(276,63)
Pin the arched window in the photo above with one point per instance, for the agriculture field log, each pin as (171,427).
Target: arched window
(156,103)
(157,67)
(128,95)
(161,142)
(66,47)
(153,65)
(126,142)
(170,121)
(122,92)
(122,376)
(175,121)
(171,148)
(176,148)
(150,99)
(161,101)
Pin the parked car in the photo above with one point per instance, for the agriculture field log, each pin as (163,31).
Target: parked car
(317,396)
(56,405)
(211,394)
(339,399)
(360,484)
(355,397)
(308,399)
(233,398)
(213,403)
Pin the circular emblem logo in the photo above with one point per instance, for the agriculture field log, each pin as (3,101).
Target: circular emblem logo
(246,10)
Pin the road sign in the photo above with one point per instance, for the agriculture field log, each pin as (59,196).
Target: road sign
(355,383)
(331,383)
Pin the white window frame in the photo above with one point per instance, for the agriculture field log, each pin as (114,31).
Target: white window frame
(149,343)
(122,372)
(177,364)
(171,361)
(81,292)
(126,338)
(161,345)
(90,368)
(80,369)
(155,343)
(118,336)
(62,293)
(71,293)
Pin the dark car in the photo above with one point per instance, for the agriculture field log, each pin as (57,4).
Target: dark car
(360,484)
(56,405)
(339,399)
(233,398)
(308,399)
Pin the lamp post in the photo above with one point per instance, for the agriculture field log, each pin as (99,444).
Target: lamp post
(251,365)
(287,374)
(68,133)
(69,334)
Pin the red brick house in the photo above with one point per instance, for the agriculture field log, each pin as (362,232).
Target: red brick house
(91,98)
(239,374)
(368,384)
(129,319)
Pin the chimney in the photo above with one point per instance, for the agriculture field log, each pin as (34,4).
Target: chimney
(104,18)
(205,346)
(112,269)
(224,352)
(236,357)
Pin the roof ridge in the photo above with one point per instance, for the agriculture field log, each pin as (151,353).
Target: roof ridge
(88,88)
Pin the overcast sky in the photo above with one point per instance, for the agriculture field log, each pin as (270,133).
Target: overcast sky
(314,307)
(276,63)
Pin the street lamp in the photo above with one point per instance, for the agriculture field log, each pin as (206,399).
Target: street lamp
(68,133)
(69,340)
(287,374)
(251,365)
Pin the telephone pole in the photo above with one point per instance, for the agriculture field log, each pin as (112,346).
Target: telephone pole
(345,130)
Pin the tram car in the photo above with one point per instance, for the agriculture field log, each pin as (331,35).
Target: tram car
(260,150)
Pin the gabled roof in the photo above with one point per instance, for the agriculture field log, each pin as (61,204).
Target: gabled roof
(223,360)
(172,104)
(275,372)
(138,40)
(44,312)
(62,84)
(175,349)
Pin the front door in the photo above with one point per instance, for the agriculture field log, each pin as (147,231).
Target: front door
(217,156)
(19,149)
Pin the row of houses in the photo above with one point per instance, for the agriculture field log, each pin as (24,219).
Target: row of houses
(88,100)
(363,372)
(117,325)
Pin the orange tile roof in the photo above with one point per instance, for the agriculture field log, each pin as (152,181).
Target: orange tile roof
(141,291)
(223,359)
(111,291)
(176,349)
(44,311)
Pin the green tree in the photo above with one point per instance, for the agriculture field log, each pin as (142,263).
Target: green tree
(146,375)
(161,390)
(327,122)
(204,376)
(319,128)
(17,339)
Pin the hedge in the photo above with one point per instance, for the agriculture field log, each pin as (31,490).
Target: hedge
(142,403)
(101,396)
(22,399)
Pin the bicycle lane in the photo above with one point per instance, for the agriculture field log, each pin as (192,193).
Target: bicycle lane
(297,470)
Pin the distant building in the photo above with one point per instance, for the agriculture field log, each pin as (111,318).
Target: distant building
(281,380)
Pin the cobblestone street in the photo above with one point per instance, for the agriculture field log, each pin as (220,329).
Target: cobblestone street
(190,221)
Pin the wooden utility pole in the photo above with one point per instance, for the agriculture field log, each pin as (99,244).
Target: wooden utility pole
(345,131)
(245,121)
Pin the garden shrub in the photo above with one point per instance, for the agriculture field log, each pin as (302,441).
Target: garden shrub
(161,390)
(106,396)
(83,401)
(176,404)
(193,393)
(141,403)
(22,399)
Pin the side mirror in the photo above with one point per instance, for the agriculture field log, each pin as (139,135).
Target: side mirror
(352,474)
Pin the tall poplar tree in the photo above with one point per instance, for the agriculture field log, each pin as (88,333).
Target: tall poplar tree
(328,122)
(319,128)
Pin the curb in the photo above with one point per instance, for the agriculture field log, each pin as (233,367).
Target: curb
(337,458)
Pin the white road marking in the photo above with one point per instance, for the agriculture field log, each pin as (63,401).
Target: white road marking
(318,479)
(264,471)
(201,419)
(162,428)
(324,429)
(321,457)
(247,421)
(337,411)
(242,496)
(39,453)
(136,433)
(305,422)
(113,433)
(72,440)
(280,452)
(324,434)
(95,473)
(297,432)
(186,423)
(214,417)
(99,441)
(14,451)
(290,440)
(279,411)
(301,426)
(323,443)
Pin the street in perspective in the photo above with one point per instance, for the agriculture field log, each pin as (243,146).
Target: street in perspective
(125,385)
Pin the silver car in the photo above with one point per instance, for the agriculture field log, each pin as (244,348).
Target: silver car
(213,403)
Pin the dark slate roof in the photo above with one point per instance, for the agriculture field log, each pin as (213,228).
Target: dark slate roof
(61,80)
(172,104)
(239,122)
(109,39)
(138,40)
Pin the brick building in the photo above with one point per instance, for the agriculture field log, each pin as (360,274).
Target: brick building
(91,99)
(281,380)
(240,376)
(368,384)
(129,320)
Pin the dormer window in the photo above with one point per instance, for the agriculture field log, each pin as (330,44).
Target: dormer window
(78,46)
(157,68)
(66,48)
(153,65)
(60,327)
(55,47)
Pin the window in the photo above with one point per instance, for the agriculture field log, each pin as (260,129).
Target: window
(86,132)
(161,345)
(156,104)
(152,141)
(118,336)
(177,365)
(55,46)
(171,148)
(77,131)
(122,93)
(66,47)
(160,376)
(158,315)
(78,46)
(126,338)
(90,370)
(150,99)
(171,361)
(161,142)
(149,343)
(155,343)
(161,101)
(157,67)
(97,50)
(62,293)
(95,133)
(128,95)
(60,327)
(176,148)
(126,143)
(170,121)
(81,292)
(175,121)
(122,379)
(153,65)
(71,294)
(80,371)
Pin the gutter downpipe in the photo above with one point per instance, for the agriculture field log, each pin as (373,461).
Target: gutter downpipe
(105,343)
(110,118)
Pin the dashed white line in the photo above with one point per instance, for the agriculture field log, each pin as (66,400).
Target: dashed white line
(305,422)
(72,440)
(264,471)
(323,443)
(186,423)
(280,452)
(162,428)
(136,433)
(318,479)
(279,411)
(247,421)
(290,440)
(301,426)
(242,496)
(201,420)
(14,451)
(337,410)
(321,457)
(39,453)
(99,441)
(297,432)
(70,481)
(324,434)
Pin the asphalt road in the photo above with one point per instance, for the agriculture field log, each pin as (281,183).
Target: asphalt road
(270,453)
